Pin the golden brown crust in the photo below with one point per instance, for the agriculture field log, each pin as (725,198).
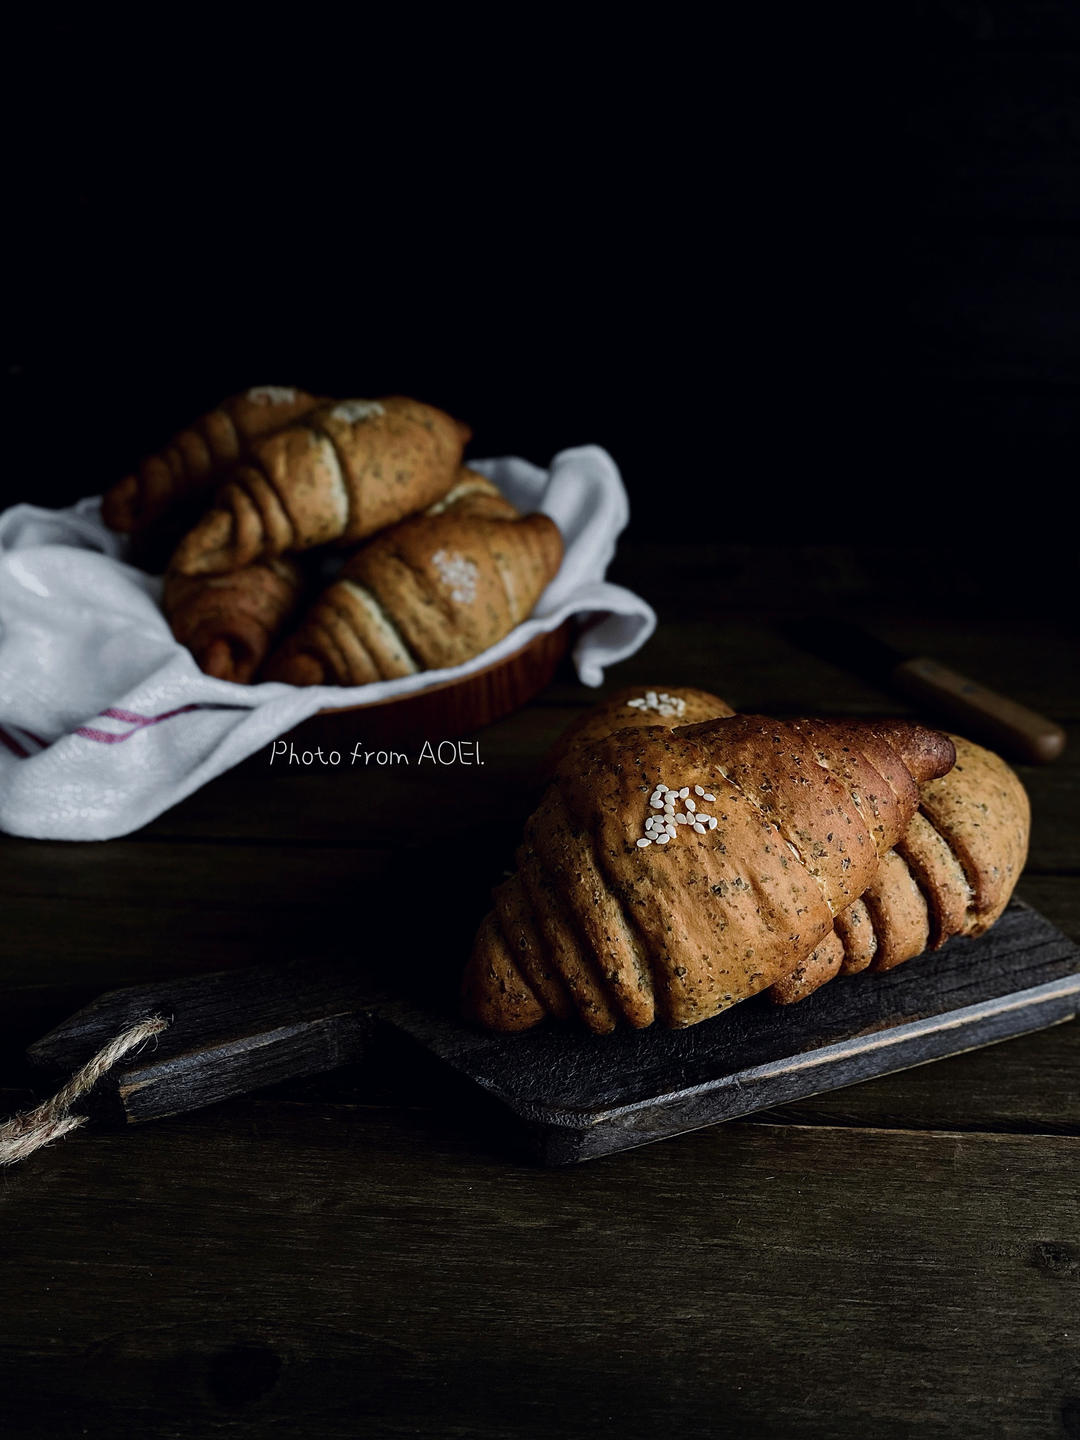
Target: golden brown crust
(856,932)
(622,710)
(940,876)
(565,851)
(531,956)
(350,469)
(816,970)
(474,494)
(898,909)
(775,766)
(954,869)
(926,754)
(456,584)
(688,927)
(570,960)
(858,758)
(229,622)
(429,594)
(495,994)
(193,459)
(983,814)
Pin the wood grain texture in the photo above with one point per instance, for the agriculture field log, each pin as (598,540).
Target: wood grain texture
(576,1097)
(569,1096)
(348,1254)
(391,1280)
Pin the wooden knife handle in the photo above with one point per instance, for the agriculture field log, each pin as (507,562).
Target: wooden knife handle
(981,714)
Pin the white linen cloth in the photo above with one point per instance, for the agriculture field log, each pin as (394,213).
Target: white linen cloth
(106,721)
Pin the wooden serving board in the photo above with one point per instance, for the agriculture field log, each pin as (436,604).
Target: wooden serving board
(565,1096)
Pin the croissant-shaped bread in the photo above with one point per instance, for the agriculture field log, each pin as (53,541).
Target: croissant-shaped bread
(229,622)
(195,457)
(427,594)
(669,874)
(952,872)
(347,470)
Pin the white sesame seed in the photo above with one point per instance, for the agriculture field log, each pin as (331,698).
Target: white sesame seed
(643,842)
(691,806)
(672,831)
(699,790)
(699,828)
(684,792)
(710,798)
(682,819)
(635,704)
(712,822)
(662,839)
(661,787)
(656,802)
(651,696)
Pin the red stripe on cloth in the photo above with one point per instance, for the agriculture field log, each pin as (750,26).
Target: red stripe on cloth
(103,737)
(108,737)
(134,718)
(13,745)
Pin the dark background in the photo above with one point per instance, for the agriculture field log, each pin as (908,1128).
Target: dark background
(810,282)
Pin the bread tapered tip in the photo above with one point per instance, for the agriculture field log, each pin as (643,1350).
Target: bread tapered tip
(300,668)
(494,993)
(210,547)
(228,658)
(120,505)
(928,754)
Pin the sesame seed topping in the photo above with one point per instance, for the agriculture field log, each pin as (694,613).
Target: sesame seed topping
(663,703)
(663,819)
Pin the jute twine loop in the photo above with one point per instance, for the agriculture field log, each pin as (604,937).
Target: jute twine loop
(23,1134)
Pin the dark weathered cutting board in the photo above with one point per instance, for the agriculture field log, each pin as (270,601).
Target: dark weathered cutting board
(569,1096)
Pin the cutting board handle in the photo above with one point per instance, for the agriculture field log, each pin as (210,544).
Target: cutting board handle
(229,1032)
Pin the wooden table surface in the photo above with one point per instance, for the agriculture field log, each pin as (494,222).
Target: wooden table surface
(353,1255)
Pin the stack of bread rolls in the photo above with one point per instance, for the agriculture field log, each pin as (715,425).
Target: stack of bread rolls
(437,564)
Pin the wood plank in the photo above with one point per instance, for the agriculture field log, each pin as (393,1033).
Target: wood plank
(1026,1086)
(574,1097)
(384,1279)
(571,1096)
